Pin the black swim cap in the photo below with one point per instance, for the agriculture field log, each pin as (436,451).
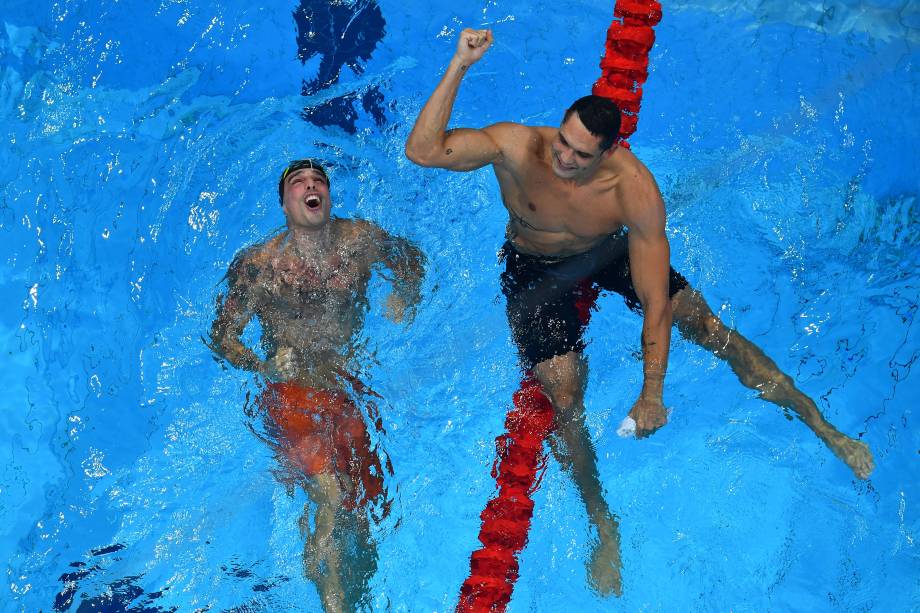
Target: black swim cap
(295,166)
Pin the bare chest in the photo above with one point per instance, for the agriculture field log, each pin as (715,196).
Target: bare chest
(298,288)
(538,202)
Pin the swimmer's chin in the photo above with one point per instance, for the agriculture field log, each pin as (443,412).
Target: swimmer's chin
(561,170)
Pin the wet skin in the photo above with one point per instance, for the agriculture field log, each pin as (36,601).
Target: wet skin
(308,288)
(565,195)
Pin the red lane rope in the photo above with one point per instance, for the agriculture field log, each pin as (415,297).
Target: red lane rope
(520,456)
(506,518)
(624,67)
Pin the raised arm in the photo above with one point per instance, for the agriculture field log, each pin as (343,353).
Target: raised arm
(650,264)
(430,143)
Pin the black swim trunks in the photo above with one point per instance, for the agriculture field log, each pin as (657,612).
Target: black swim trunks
(550,299)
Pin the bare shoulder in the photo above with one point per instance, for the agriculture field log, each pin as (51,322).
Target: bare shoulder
(513,137)
(249,262)
(261,253)
(544,138)
(545,133)
(361,239)
(509,131)
(356,230)
(637,191)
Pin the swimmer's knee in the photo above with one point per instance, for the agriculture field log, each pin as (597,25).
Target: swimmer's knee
(565,404)
(776,388)
(700,325)
(566,400)
(715,333)
(563,379)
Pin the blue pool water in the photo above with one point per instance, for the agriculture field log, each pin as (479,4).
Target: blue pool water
(141,146)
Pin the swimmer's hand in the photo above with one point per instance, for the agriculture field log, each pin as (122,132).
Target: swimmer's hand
(396,309)
(281,366)
(472,45)
(649,415)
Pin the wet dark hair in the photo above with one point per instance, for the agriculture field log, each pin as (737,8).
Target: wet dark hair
(294,167)
(600,115)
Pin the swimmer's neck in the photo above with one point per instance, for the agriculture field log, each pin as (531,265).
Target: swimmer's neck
(309,241)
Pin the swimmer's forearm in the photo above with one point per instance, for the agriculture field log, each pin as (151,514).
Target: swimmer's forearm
(233,314)
(656,341)
(408,267)
(239,355)
(426,141)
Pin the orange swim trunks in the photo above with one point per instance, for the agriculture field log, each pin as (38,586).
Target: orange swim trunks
(323,432)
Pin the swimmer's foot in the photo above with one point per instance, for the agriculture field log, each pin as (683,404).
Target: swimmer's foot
(605,566)
(855,453)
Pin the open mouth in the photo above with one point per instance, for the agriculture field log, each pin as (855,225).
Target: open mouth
(560,165)
(313,202)
(566,166)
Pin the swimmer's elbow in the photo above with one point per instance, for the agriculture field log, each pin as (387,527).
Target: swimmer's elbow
(218,341)
(215,342)
(420,155)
